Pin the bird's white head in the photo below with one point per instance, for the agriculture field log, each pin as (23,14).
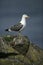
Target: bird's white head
(25,16)
(23,20)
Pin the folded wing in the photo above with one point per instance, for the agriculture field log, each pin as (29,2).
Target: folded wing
(16,27)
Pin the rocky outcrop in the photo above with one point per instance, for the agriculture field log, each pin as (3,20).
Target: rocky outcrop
(18,50)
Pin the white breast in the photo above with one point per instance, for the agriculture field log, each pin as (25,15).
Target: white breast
(23,22)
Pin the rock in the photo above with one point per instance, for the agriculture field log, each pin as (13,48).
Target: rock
(4,47)
(22,44)
(19,51)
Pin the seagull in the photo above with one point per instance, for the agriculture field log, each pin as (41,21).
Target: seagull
(19,26)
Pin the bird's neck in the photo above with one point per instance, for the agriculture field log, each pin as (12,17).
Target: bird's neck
(23,21)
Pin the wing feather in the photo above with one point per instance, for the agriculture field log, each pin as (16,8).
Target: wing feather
(16,27)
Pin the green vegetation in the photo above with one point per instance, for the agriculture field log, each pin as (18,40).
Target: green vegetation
(8,38)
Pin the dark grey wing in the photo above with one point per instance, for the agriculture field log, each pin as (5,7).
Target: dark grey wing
(16,27)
